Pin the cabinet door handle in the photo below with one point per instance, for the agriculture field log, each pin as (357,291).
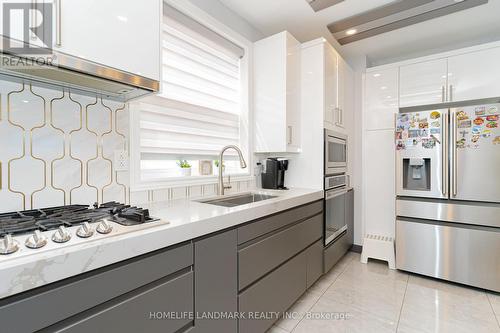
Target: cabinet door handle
(290,129)
(58,23)
(443,94)
(34,18)
(451,93)
(455,150)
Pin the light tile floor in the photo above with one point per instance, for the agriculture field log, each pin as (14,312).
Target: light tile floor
(372,298)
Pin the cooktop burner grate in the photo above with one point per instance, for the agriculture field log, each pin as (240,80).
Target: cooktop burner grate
(53,217)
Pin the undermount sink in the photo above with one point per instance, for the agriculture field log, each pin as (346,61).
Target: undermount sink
(237,200)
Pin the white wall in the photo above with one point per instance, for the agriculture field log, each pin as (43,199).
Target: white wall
(232,20)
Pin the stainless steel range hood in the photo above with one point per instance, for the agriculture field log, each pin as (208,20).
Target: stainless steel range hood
(81,75)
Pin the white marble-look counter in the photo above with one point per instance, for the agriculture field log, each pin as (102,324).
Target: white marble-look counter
(181,220)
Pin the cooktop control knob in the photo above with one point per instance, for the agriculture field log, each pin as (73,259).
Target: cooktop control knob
(36,241)
(85,230)
(61,235)
(104,227)
(8,245)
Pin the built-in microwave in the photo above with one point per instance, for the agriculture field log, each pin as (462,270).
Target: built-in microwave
(335,152)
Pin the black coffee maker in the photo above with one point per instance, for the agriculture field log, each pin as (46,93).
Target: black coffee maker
(274,177)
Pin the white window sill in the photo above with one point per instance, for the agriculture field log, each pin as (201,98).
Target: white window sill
(188,181)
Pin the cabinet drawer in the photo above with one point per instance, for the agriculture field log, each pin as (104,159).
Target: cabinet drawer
(274,222)
(314,256)
(83,292)
(133,314)
(274,293)
(261,257)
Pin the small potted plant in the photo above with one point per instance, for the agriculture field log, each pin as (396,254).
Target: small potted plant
(216,169)
(185,167)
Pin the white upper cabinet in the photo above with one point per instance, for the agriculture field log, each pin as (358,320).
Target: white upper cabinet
(381,98)
(423,83)
(345,95)
(121,34)
(474,75)
(277,94)
(331,83)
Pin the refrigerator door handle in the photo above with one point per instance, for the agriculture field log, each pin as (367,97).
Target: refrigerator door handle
(454,144)
(444,155)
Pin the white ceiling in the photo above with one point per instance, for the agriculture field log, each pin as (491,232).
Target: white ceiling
(461,29)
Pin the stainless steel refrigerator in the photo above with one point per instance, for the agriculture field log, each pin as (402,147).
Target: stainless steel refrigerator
(448,194)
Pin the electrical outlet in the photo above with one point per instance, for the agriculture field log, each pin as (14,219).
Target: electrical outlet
(121,160)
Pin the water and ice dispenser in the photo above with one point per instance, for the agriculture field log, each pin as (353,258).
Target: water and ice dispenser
(417,174)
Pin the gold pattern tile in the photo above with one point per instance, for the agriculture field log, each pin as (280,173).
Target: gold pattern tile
(58,148)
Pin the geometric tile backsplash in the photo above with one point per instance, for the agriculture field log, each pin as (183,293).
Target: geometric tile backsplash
(57,148)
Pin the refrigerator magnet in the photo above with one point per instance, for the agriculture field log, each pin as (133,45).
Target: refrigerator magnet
(493,110)
(475,138)
(461,143)
(435,131)
(478,121)
(400,145)
(423,125)
(464,124)
(428,143)
(492,118)
(492,124)
(435,115)
(461,115)
(486,133)
(413,133)
(496,140)
(480,111)
(477,130)
(435,124)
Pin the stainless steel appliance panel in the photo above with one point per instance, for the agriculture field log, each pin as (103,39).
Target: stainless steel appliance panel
(335,152)
(475,153)
(450,211)
(417,130)
(335,213)
(467,255)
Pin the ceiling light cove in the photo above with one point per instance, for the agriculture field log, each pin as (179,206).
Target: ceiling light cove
(395,15)
(318,5)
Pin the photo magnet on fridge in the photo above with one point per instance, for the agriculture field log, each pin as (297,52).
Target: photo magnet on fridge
(464,124)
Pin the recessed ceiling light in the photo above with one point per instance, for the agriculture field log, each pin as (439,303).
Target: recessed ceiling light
(122,18)
(383,87)
(389,97)
(376,75)
(351,32)
(25,101)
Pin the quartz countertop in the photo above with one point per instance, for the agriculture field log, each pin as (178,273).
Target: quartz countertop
(180,220)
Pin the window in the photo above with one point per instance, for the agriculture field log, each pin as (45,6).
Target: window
(201,107)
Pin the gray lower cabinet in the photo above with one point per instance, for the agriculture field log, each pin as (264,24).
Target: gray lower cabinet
(262,266)
(216,283)
(145,310)
(274,293)
(60,303)
(257,259)
(314,255)
(275,268)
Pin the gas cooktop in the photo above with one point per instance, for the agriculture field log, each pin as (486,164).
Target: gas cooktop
(85,221)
